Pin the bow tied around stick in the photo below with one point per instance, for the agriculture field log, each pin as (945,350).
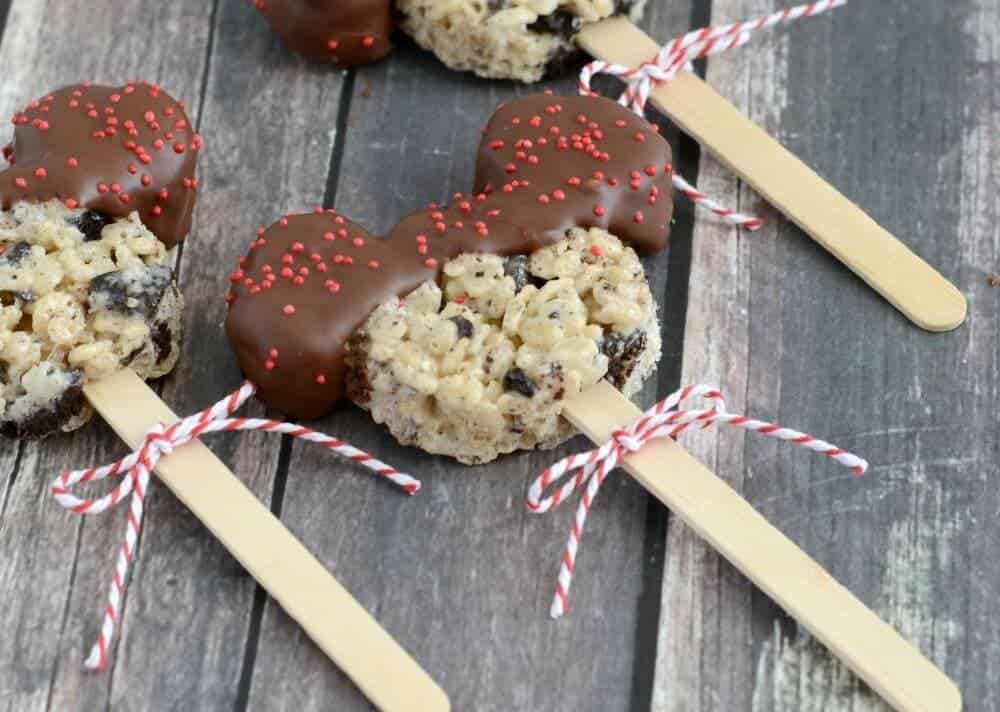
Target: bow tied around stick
(162,441)
(677,55)
(663,420)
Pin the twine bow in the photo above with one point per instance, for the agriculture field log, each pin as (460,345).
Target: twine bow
(664,420)
(161,441)
(678,54)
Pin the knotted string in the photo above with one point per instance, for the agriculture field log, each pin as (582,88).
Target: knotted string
(678,54)
(160,442)
(664,420)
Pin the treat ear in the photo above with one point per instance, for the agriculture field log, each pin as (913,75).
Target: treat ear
(116,150)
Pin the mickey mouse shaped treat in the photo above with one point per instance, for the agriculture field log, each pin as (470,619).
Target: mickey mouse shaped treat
(466,328)
(100,183)
(342,32)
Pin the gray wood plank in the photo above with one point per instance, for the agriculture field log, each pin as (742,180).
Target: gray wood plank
(53,567)
(896,103)
(461,575)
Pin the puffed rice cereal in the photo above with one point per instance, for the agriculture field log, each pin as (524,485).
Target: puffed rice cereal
(81,296)
(482,364)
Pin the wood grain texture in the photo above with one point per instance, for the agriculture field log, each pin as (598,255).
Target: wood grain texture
(792,337)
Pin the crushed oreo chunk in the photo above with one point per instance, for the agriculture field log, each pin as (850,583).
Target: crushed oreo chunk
(623,352)
(562,22)
(50,417)
(134,292)
(464,326)
(566,25)
(516,267)
(517,380)
(91,223)
(15,254)
(163,342)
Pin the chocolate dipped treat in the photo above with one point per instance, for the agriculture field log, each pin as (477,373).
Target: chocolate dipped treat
(547,165)
(342,32)
(100,184)
(508,39)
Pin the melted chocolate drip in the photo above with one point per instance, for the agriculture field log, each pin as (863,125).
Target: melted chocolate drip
(342,32)
(113,150)
(546,164)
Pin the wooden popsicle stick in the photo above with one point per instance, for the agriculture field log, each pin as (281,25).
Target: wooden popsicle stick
(869,646)
(871,252)
(303,587)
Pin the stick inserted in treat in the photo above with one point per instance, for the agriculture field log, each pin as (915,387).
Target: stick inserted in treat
(870,647)
(299,583)
(886,264)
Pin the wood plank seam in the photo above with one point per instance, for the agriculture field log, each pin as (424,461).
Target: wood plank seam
(339,139)
(261,599)
(11,479)
(260,596)
(67,611)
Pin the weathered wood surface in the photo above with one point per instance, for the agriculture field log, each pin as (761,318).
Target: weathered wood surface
(865,98)
(462,575)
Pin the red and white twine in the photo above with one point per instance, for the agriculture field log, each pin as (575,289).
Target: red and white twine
(160,442)
(664,420)
(677,55)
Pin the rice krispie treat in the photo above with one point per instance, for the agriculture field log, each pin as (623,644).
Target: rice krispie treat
(482,364)
(507,39)
(81,296)
(341,32)
(100,183)
(468,327)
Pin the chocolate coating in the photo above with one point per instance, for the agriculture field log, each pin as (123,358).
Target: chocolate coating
(342,32)
(113,150)
(546,164)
